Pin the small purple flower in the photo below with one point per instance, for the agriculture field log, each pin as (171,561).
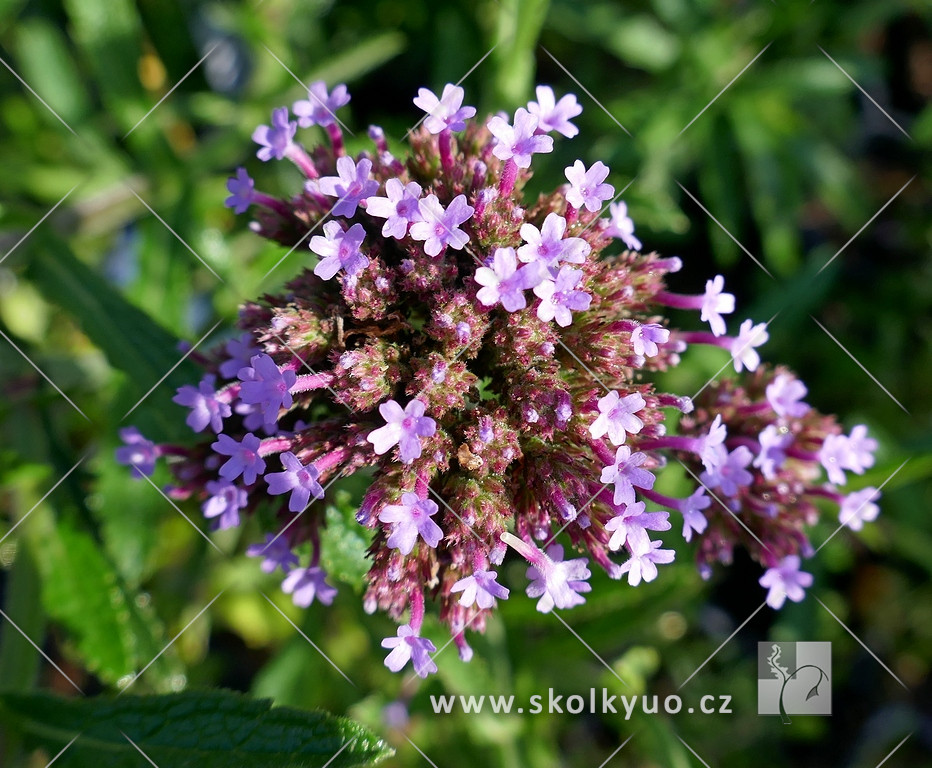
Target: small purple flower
(646,338)
(351,184)
(860,450)
(548,246)
(320,107)
(266,385)
(440,227)
(244,457)
(240,352)
(626,474)
(400,207)
(586,187)
(557,582)
(138,453)
(504,282)
(631,527)
(559,297)
(715,304)
(224,503)
(408,645)
(621,226)
(691,508)
(785,581)
(339,249)
(205,407)
(711,448)
(276,553)
(410,519)
(858,508)
(299,479)
(242,191)
(730,474)
(643,565)
(445,113)
(404,428)
(784,394)
(517,143)
(306,585)
(773,445)
(553,115)
(616,416)
(276,140)
(833,456)
(481,589)
(749,336)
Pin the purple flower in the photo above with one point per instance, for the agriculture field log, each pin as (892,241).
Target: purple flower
(351,184)
(266,385)
(785,581)
(559,297)
(860,450)
(555,115)
(307,584)
(621,226)
(643,565)
(548,246)
(138,453)
(711,448)
(730,474)
(646,338)
(773,445)
(408,645)
(275,140)
(693,519)
(616,416)
(404,428)
(445,113)
(854,453)
(749,336)
(224,503)
(244,457)
(858,508)
(481,589)
(242,190)
(715,303)
(300,480)
(626,474)
(240,350)
(784,394)
(410,519)
(339,249)
(557,582)
(439,227)
(320,107)
(517,143)
(631,527)
(205,407)
(586,187)
(400,207)
(504,282)
(276,553)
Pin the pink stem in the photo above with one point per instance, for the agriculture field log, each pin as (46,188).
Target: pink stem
(300,158)
(336,139)
(311,381)
(446,151)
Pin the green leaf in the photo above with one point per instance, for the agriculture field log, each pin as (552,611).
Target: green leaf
(343,548)
(207,729)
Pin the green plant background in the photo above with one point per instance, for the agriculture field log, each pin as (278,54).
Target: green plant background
(792,160)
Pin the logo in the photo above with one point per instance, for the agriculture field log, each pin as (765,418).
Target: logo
(794,679)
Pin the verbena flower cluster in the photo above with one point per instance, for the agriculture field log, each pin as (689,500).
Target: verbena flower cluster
(487,360)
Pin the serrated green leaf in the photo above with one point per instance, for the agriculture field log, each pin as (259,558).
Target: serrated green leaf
(206,729)
(343,547)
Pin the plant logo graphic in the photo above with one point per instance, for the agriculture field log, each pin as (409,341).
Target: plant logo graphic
(794,679)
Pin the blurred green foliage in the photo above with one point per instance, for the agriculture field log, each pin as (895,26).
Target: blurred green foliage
(735,104)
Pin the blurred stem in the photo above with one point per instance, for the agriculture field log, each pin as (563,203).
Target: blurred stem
(19,662)
(516,33)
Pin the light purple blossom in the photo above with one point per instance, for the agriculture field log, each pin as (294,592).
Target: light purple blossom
(299,479)
(858,508)
(224,503)
(266,385)
(205,407)
(626,474)
(440,227)
(730,474)
(445,113)
(305,585)
(559,297)
(320,107)
(784,394)
(854,453)
(351,184)
(408,645)
(480,589)
(504,282)
(399,208)
(404,428)
(339,249)
(557,582)
(749,336)
(773,445)
(646,338)
(691,508)
(242,191)
(410,519)
(555,115)
(586,187)
(275,140)
(548,246)
(631,526)
(621,226)
(616,416)
(715,304)
(785,581)
(643,565)
(240,352)
(517,143)
(712,445)
(860,450)
(138,452)
(244,457)
(276,553)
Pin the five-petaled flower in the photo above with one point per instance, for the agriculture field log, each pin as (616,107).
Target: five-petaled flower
(586,187)
(715,304)
(557,582)
(626,474)
(503,282)
(730,473)
(267,385)
(785,580)
(224,503)
(205,407)
(858,508)
(138,452)
(553,115)
(445,113)
(301,480)
(559,297)
(276,553)
(616,416)
(403,428)
(275,140)
(244,457)
(305,585)
(410,519)
(548,246)
(646,338)
(631,526)
(518,142)
(399,208)
(785,393)
(351,184)
(749,336)
(320,107)
(339,249)
(643,564)
(439,227)
(621,226)
(242,191)
(408,645)
(480,589)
